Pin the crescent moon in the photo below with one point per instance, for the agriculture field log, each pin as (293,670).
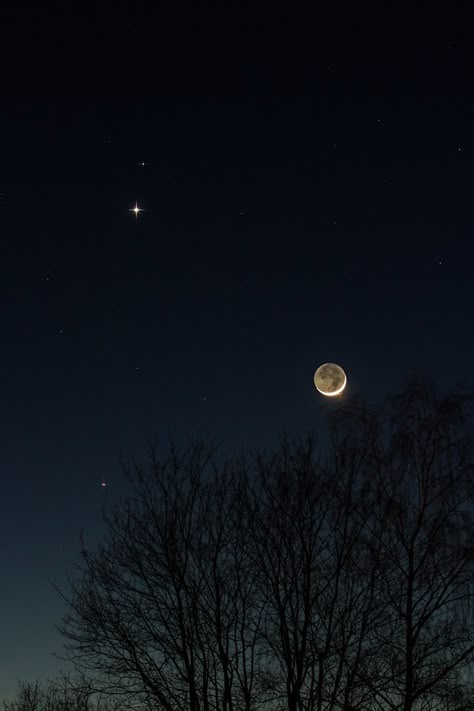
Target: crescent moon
(330,379)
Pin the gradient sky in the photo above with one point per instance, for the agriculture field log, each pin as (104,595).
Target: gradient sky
(304,201)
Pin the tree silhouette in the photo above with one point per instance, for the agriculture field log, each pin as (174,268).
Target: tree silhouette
(305,580)
(426,487)
(60,695)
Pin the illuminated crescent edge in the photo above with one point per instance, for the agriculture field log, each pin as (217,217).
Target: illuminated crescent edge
(336,392)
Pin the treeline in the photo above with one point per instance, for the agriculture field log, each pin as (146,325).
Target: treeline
(337,578)
(63,694)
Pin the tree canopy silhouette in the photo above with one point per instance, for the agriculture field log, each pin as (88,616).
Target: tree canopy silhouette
(305,579)
(62,694)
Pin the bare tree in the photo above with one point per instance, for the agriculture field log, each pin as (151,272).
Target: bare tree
(29,697)
(62,694)
(332,580)
(162,612)
(419,453)
(426,487)
(317,567)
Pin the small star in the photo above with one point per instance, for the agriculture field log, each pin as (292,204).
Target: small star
(60,332)
(136,210)
(459,149)
(102,483)
(143,164)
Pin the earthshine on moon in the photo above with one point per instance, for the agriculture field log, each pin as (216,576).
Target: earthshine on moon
(330,379)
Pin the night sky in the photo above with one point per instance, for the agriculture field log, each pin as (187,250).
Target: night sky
(304,200)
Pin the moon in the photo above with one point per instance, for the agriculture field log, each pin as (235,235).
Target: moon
(330,379)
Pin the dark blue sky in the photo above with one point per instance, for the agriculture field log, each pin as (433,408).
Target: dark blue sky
(305,201)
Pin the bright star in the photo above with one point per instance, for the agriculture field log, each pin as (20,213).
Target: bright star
(136,210)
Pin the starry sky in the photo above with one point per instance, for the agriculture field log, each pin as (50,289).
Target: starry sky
(302,199)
